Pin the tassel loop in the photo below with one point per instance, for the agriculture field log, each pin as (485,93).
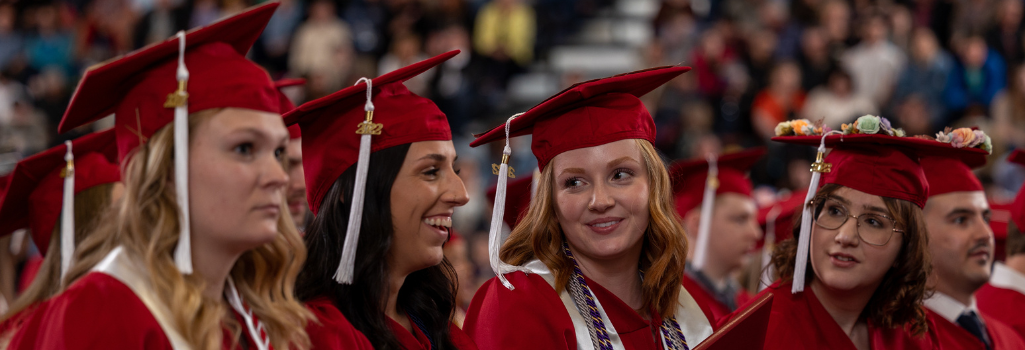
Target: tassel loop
(504,172)
(346,267)
(804,239)
(68,211)
(179,101)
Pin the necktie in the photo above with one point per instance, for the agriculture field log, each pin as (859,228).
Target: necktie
(969,320)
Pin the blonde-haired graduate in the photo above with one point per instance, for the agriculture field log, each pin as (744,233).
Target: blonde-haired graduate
(201,252)
(597,260)
(59,195)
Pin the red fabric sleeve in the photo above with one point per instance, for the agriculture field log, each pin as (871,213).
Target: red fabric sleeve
(331,330)
(96,312)
(530,317)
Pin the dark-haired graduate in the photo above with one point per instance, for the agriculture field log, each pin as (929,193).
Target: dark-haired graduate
(714,199)
(598,258)
(379,165)
(853,276)
(201,253)
(89,175)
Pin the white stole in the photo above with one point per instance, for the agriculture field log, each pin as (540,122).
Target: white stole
(119,265)
(692,320)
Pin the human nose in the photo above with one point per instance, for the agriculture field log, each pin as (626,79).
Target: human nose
(456,192)
(847,233)
(600,198)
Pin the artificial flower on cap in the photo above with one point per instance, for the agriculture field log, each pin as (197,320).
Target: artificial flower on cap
(342,129)
(517,200)
(42,189)
(869,156)
(718,175)
(163,83)
(286,103)
(587,114)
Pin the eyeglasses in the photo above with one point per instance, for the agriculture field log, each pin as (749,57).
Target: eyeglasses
(873,229)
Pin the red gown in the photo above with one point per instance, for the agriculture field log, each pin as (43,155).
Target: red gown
(714,309)
(534,317)
(799,321)
(955,337)
(96,312)
(335,332)
(1004,305)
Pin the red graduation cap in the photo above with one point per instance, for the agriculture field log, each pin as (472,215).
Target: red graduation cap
(286,103)
(689,177)
(877,164)
(1018,206)
(163,83)
(699,181)
(35,194)
(341,128)
(517,199)
(587,114)
(136,86)
(950,174)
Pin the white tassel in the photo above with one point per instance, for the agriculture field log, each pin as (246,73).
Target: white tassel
(804,239)
(68,212)
(707,204)
(183,251)
(498,214)
(253,325)
(770,239)
(346,266)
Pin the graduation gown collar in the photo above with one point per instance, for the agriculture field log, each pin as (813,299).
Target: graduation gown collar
(1007,278)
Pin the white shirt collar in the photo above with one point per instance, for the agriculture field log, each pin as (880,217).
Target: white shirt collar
(949,308)
(1007,278)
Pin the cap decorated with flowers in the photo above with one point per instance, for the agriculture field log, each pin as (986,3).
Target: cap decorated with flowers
(870,156)
(952,172)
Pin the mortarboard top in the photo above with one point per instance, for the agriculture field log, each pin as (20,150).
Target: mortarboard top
(883,165)
(287,105)
(949,174)
(588,114)
(689,177)
(136,86)
(517,198)
(330,143)
(34,197)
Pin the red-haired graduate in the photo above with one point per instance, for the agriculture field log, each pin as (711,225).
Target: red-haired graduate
(380,178)
(597,260)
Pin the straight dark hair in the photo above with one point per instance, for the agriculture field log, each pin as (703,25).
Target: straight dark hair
(428,294)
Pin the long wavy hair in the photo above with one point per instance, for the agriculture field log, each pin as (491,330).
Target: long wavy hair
(91,205)
(897,302)
(428,294)
(539,236)
(146,225)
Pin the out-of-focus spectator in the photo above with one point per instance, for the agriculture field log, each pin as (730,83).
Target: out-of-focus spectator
(837,102)
(452,86)
(835,19)
(405,50)
(815,61)
(973,16)
(277,37)
(10,92)
(875,63)
(51,92)
(1005,35)
(711,61)
(759,59)
(1008,113)
(105,32)
(50,45)
(322,47)
(10,39)
(677,33)
(914,116)
(505,30)
(926,74)
(27,132)
(160,23)
(977,77)
(902,27)
(203,12)
(780,101)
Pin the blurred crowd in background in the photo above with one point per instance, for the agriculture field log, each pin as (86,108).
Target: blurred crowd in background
(923,64)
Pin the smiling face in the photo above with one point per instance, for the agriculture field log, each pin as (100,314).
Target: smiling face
(961,239)
(841,260)
(236,179)
(425,193)
(601,199)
